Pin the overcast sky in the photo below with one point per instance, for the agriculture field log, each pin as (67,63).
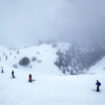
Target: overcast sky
(24,22)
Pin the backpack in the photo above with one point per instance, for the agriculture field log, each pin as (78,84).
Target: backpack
(99,84)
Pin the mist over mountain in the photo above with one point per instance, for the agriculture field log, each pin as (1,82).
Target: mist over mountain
(24,22)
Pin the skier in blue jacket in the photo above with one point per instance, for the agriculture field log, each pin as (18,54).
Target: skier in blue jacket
(98,84)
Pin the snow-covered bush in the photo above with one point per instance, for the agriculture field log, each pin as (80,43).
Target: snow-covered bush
(39,61)
(54,45)
(24,61)
(37,52)
(34,59)
(15,66)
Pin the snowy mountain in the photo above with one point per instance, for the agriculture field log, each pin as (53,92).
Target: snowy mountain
(50,87)
(52,57)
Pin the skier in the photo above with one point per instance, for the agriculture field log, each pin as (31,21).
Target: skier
(12,74)
(30,77)
(2,71)
(6,57)
(98,84)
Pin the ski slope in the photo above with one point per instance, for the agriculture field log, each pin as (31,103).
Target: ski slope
(50,87)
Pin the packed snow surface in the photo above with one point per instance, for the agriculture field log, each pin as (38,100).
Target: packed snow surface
(50,87)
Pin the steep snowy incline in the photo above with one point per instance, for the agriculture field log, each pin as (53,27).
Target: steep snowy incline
(99,67)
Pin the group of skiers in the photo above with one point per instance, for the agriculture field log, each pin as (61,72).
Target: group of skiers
(7,56)
(13,76)
(12,73)
(98,84)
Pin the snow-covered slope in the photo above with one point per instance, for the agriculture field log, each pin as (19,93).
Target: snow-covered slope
(45,55)
(50,87)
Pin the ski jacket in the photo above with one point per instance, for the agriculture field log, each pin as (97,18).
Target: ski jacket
(98,84)
(30,77)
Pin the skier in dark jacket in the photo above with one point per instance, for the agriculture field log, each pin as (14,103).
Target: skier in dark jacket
(2,71)
(12,74)
(30,77)
(98,84)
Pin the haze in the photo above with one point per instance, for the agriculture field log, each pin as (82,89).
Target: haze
(24,22)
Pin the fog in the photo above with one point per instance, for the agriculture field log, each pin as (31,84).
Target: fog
(24,22)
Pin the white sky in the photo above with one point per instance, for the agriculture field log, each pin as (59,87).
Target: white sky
(23,22)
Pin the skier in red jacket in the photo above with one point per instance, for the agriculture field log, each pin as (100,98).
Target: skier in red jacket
(30,77)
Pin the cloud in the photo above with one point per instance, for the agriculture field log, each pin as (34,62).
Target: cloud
(24,22)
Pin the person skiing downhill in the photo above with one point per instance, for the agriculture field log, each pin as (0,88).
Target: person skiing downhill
(30,77)
(98,84)
(12,74)
(2,71)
